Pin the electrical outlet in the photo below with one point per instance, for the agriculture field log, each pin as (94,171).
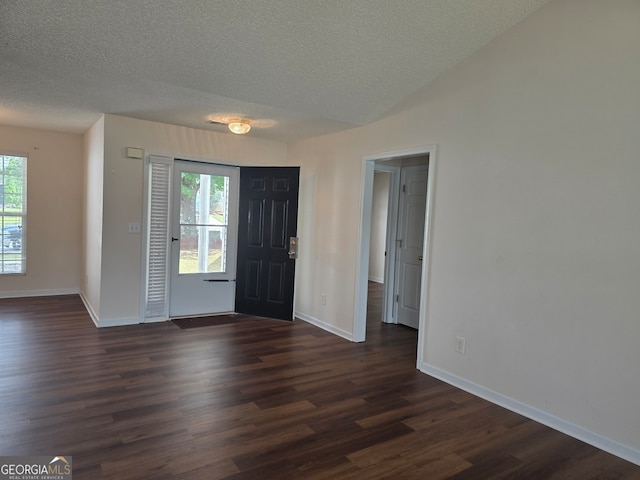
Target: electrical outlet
(461,344)
(323,299)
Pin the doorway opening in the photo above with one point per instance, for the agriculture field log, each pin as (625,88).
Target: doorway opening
(218,239)
(406,231)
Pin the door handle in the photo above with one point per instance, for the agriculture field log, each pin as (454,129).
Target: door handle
(174,239)
(420,257)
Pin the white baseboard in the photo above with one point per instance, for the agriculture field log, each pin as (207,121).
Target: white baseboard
(118,322)
(89,308)
(156,320)
(110,322)
(603,443)
(376,279)
(325,326)
(39,293)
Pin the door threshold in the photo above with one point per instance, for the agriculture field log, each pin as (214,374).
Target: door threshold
(199,315)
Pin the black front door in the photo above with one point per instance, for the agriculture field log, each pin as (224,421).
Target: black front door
(268,218)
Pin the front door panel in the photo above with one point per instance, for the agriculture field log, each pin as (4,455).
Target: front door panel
(267,221)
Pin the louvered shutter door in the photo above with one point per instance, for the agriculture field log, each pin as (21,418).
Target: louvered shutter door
(158,237)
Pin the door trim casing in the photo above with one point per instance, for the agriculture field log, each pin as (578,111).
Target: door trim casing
(364,234)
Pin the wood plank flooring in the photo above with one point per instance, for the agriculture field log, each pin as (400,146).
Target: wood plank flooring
(258,399)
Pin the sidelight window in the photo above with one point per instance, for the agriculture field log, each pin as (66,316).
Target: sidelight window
(13,214)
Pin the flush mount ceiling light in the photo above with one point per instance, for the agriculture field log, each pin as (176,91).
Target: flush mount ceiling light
(239,127)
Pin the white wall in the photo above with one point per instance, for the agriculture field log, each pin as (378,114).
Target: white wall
(121,262)
(329,211)
(535,254)
(379,209)
(54,199)
(92,216)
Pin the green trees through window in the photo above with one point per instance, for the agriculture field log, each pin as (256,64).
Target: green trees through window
(203,223)
(13,213)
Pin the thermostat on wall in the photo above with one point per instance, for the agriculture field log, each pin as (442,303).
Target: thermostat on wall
(135,152)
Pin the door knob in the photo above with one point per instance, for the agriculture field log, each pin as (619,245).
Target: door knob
(420,257)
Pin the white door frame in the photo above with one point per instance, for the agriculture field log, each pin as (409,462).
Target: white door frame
(362,267)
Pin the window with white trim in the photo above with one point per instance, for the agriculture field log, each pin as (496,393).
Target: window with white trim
(13,214)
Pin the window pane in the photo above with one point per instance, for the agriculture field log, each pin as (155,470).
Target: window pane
(204,213)
(217,249)
(189,188)
(208,259)
(219,199)
(12,213)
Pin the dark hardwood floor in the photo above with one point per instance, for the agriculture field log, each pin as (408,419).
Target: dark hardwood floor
(256,399)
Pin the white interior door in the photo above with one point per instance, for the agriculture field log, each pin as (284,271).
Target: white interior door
(203,239)
(410,241)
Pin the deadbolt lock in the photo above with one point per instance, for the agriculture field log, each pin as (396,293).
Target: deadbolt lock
(293,247)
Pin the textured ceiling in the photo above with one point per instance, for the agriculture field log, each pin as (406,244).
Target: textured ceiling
(296,68)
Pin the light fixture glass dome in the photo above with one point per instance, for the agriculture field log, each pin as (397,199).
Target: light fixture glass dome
(239,127)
